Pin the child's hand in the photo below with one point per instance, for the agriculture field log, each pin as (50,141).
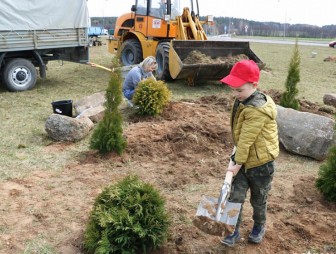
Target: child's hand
(234,168)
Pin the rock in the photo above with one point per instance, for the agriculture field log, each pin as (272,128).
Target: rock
(305,133)
(95,114)
(330,99)
(64,128)
(309,200)
(92,101)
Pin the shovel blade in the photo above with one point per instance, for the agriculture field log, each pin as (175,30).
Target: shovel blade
(229,214)
(206,216)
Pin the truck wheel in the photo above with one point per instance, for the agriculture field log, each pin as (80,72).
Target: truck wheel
(131,52)
(19,75)
(162,59)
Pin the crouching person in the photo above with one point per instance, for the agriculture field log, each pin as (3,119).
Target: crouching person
(142,71)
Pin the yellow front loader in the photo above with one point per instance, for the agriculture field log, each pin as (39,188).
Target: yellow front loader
(158,28)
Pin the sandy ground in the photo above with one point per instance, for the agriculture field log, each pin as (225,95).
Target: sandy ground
(184,154)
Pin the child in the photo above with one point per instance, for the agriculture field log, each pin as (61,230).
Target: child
(256,145)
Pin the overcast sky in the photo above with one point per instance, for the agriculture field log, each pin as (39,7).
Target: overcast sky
(313,12)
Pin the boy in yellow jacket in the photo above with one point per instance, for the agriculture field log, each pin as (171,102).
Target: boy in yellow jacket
(256,145)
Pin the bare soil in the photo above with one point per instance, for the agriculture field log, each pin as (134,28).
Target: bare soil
(196,56)
(183,153)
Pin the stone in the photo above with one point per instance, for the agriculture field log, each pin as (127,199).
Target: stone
(64,128)
(305,133)
(91,101)
(95,114)
(330,99)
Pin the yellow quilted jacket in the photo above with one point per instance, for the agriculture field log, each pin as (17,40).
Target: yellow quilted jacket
(255,134)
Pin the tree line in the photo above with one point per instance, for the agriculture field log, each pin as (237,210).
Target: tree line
(236,26)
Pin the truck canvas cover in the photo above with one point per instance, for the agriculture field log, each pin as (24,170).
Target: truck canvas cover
(43,15)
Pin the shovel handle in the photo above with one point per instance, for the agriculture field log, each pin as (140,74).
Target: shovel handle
(228,177)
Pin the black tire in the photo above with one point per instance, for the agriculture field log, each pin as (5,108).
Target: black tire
(131,52)
(162,59)
(19,75)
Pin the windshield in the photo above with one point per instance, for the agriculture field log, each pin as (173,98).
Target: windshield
(158,8)
(178,5)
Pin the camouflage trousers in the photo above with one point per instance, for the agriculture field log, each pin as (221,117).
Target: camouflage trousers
(258,180)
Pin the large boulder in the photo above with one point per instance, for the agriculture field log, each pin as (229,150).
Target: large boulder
(305,133)
(64,128)
(95,114)
(91,101)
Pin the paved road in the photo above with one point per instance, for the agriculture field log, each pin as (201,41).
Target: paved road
(306,43)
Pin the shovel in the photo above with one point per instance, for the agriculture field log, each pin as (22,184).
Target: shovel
(218,216)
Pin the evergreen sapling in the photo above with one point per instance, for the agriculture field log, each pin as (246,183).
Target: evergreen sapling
(288,98)
(108,135)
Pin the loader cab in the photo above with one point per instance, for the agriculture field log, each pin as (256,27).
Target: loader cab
(149,8)
(164,9)
(152,17)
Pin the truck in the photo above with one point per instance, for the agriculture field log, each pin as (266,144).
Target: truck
(172,31)
(32,33)
(94,33)
(97,31)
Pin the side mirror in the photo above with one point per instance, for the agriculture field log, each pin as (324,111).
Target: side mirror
(133,8)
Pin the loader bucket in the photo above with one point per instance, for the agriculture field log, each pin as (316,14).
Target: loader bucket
(213,61)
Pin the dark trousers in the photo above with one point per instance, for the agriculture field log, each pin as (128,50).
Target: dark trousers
(258,180)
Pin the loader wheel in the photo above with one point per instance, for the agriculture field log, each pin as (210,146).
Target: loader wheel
(19,75)
(131,52)
(162,59)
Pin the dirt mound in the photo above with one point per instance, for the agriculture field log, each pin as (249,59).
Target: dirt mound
(330,59)
(196,57)
(184,129)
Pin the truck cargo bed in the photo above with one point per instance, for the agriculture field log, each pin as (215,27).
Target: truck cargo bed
(42,39)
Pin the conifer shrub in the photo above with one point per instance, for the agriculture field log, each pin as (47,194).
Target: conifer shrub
(288,98)
(151,96)
(108,135)
(127,217)
(326,181)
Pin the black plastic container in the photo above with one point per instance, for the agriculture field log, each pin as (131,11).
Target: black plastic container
(63,107)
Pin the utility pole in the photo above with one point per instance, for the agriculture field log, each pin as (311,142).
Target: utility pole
(285,24)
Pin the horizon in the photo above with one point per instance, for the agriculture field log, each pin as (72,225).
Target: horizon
(237,18)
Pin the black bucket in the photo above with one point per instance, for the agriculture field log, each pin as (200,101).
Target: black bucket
(62,107)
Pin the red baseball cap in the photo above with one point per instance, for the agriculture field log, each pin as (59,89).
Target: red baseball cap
(245,71)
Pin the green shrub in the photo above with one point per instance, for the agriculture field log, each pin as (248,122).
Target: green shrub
(108,135)
(128,217)
(151,96)
(326,181)
(288,98)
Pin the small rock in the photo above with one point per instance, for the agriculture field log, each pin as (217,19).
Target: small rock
(330,99)
(309,200)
